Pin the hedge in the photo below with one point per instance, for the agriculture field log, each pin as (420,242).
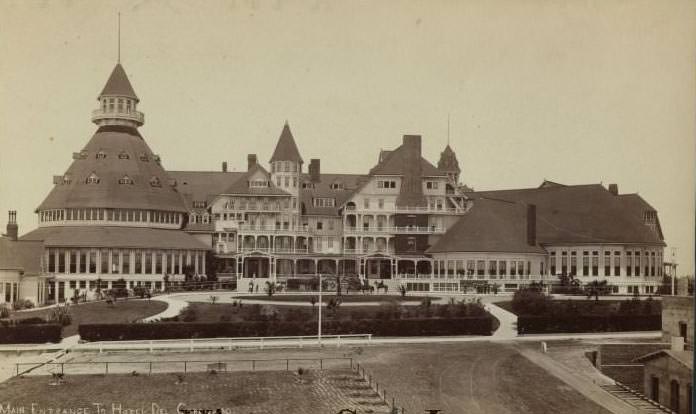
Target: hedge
(181,330)
(30,334)
(588,323)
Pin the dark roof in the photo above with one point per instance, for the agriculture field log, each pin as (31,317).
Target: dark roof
(241,186)
(22,255)
(448,160)
(203,185)
(118,84)
(322,189)
(489,226)
(114,236)
(686,358)
(395,163)
(578,214)
(547,183)
(286,149)
(108,193)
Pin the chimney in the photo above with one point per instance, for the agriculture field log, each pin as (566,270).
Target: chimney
(12,228)
(413,142)
(614,189)
(677,343)
(224,166)
(411,192)
(531,225)
(315,170)
(251,161)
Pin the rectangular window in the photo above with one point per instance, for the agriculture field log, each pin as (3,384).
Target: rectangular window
(73,262)
(573,263)
(83,262)
(126,262)
(513,269)
(115,266)
(104,262)
(320,225)
(366,203)
(138,262)
(564,263)
(158,263)
(61,261)
(629,263)
(617,263)
(92,262)
(502,268)
(585,263)
(480,267)
(492,267)
(83,284)
(553,263)
(607,263)
(595,263)
(636,264)
(470,264)
(520,268)
(148,262)
(73,284)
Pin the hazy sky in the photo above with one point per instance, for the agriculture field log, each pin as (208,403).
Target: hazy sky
(572,91)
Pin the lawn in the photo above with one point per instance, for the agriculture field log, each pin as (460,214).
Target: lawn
(235,393)
(101,312)
(345,298)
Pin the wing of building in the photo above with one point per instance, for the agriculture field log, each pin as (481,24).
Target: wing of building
(116,216)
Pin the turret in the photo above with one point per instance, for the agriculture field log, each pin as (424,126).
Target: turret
(286,162)
(118,102)
(448,164)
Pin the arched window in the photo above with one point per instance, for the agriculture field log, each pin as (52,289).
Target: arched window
(155,182)
(123,155)
(67,179)
(125,180)
(92,179)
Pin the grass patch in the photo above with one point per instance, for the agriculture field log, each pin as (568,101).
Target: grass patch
(101,312)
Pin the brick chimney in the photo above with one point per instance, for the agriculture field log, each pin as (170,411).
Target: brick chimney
(531,225)
(614,189)
(315,170)
(411,193)
(251,161)
(224,166)
(12,228)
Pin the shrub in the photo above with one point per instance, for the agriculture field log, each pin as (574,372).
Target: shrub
(30,321)
(60,315)
(4,312)
(396,327)
(30,334)
(527,301)
(588,323)
(22,304)
(225,318)
(188,314)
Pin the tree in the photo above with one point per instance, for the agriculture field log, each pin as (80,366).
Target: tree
(596,288)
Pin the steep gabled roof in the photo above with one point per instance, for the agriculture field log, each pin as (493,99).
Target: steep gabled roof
(21,255)
(118,84)
(395,163)
(122,152)
(685,358)
(489,226)
(577,214)
(241,186)
(286,149)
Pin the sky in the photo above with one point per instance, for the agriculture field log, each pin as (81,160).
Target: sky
(575,92)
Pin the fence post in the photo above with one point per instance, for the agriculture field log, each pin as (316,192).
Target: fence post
(253,365)
(17,366)
(184,367)
(150,368)
(321,364)
(287,365)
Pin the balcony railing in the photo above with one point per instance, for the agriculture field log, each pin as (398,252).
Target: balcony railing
(407,209)
(396,229)
(136,116)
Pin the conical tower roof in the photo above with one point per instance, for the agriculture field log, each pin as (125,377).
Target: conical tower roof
(448,161)
(286,149)
(118,84)
(115,153)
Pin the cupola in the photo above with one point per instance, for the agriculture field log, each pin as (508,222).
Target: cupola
(118,102)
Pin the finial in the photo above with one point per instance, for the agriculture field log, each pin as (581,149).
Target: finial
(286,122)
(448,129)
(118,57)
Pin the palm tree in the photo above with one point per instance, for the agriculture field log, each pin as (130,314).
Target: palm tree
(596,288)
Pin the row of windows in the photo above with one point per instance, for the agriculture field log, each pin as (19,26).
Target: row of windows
(280,181)
(611,263)
(431,185)
(283,166)
(123,261)
(105,284)
(254,203)
(489,268)
(324,202)
(123,155)
(100,214)
(117,105)
(386,184)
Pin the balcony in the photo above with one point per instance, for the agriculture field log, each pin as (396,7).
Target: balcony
(135,116)
(248,228)
(407,210)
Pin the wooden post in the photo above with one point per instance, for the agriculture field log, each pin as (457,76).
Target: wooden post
(287,365)
(184,367)
(253,365)
(150,368)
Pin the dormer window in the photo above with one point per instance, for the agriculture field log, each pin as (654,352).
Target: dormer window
(337,186)
(199,204)
(324,202)
(67,179)
(258,184)
(155,182)
(92,179)
(123,155)
(125,180)
(83,154)
(101,155)
(144,157)
(307,185)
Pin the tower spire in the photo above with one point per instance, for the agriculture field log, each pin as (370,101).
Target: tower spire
(448,129)
(118,56)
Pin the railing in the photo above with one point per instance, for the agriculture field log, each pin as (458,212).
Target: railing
(372,383)
(402,209)
(395,229)
(136,116)
(180,366)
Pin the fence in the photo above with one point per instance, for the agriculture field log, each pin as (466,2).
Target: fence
(179,366)
(381,392)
